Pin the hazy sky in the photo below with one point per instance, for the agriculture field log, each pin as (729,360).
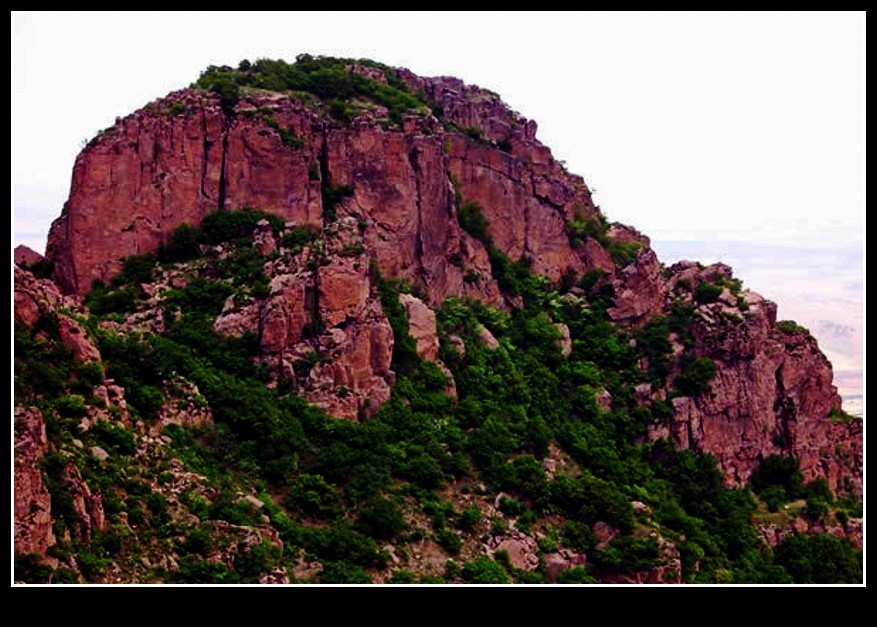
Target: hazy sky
(698,127)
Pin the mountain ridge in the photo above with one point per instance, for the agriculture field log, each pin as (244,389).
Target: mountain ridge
(403,204)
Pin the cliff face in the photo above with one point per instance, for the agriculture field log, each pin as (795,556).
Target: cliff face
(771,394)
(185,155)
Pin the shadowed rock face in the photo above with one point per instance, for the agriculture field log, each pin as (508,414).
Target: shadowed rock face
(181,157)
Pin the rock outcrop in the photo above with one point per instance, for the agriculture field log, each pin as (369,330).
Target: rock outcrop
(771,394)
(25,256)
(452,195)
(35,298)
(322,326)
(33,506)
(183,156)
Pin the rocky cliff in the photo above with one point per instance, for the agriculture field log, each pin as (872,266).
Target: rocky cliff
(378,181)
(182,156)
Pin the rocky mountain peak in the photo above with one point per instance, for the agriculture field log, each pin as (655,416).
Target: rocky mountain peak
(244,262)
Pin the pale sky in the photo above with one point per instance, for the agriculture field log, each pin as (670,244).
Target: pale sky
(692,127)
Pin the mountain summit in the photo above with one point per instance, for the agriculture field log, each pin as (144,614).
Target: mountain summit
(333,321)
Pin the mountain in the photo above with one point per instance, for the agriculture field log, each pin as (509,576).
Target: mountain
(331,321)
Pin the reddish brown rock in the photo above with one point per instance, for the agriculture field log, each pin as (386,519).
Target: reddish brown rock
(639,290)
(154,170)
(33,505)
(34,298)
(343,290)
(773,534)
(520,547)
(263,238)
(487,338)
(25,256)
(87,505)
(565,341)
(74,337)
(423,326)
(183,405)
(233,540)
(179,158)
(595,256)
(514,191)
(562,560)
(402,193)
(772,394)
(604,400)
(322,304)
(356,378)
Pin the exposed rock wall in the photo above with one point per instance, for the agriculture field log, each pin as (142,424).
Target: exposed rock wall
(33,505)
(323,310)
(772,394)
(181,157)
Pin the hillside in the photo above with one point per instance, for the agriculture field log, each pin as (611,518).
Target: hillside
(333,322)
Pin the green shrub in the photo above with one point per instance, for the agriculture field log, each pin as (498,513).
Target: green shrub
(298,237)
(579,536)
(175,108)
(136,269)
(473,221)
(199,541)
(342,572)
(405,358)
(653,340)
(313,495)
(224,225)
(475,133)
(200,297)
(774,497)
(303,366)
(469,518)
(790,327)
(624,253)
(706,293)
(331,197)
(223,82)
(31,569)
(580,228)
(102,301)
(193,569)
(341,111)
(696,377)
(450,541)
(114,437)
(819,559)
(628,554)
(71,406)
(339,543)
(227,225)
(184,245)
(402,577)
(778,471)
(229,507)
(381,518)
(258,559)
(484,570)
(41,269)
(576,575)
